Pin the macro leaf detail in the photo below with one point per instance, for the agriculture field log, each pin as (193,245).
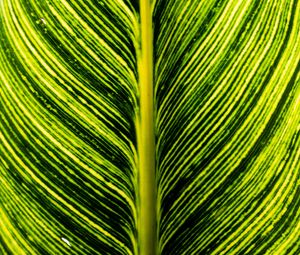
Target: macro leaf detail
(149,127)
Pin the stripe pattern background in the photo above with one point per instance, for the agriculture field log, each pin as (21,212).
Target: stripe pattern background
(68,104)
(227,123)
(227,94)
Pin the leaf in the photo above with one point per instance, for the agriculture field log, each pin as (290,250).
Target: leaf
(227,98)
(68,147)
(92,163)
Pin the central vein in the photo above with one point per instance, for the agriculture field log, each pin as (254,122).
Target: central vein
(146,138)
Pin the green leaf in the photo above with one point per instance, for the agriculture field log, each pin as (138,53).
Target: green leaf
(149,127)
(68,147)
(227,95)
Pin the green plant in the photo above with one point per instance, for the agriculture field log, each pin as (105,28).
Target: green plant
(118,136)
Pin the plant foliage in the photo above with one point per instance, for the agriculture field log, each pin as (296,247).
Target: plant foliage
(226,93)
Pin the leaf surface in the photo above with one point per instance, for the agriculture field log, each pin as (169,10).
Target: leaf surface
(68,101)
(84,92)
(227,124)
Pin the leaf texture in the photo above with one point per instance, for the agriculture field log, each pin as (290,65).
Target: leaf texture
(227,103)
(227,94)
(68,105)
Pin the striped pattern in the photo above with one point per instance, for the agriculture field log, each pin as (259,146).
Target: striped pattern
(227,98)
(227,91)
(68,104)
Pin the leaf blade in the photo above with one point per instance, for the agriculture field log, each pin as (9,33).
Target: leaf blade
(220,98)
(68,107)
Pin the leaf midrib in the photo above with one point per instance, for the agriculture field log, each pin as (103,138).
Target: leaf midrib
(147,220)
